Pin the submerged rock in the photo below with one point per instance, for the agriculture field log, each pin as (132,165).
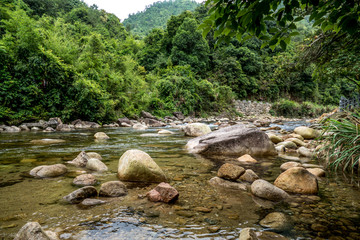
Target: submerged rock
(297,180)
(196,129)
(46,141)
(266,190)
(163,192)
(139,126)
(48,171)
(233,140)
(247,234)
(81,160)
(276,221)
(34,231)
(222,183)
(92,202)
(101,135)
(85,180)
(246,159)
(230,171)
(165,132)
(80,194)
(138,166)
(113,189)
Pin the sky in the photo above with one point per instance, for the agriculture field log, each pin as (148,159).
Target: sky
(122,8)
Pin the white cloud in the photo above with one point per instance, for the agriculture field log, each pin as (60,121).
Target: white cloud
(122,8)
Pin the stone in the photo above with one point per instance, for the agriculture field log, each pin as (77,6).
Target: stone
(34,231)
(92,202)
(101,135)
(280,148)
(288,144)
(196,129)
(54,122)
(49,129)
(249,176)
(266,235)
(234,140)
(84,180)
(274,138)
(113,189)
(80,194)
(138,166)
(266,190)
(303,151)
(139,126)
(81,160)
(46,141)
(94,155)
(125,125)
(276,221)
(289,158)
(297,141)
(202,209)
(179,115)
(79,124)
(230,171)
(24,127)
(318,172)
(246,159)
(297,180)
(163,192)
(65,127)
(11,129)
(154,123)
(35,129)
(48,171)
(145,114)
(124,120)
(222,183)
(97,165)
(165,132)
(306,132)
(288,165)
(247,234)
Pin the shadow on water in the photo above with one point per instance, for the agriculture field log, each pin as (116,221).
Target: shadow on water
(202,211)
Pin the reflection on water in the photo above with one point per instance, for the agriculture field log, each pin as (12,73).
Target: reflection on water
(26,199)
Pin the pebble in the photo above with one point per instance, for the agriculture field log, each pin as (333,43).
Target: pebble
(187,214)
(202,209)
(213,229)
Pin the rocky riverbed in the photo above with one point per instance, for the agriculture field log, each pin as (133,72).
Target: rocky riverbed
(202,209)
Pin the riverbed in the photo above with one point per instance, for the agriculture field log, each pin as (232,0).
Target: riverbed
(334,214)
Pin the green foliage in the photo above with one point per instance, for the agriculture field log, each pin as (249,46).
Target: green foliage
(342,142)
(156,15)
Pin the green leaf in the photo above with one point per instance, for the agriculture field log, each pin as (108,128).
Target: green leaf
(283,45)
(294,34)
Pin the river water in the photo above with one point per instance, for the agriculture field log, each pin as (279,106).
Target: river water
(335,214)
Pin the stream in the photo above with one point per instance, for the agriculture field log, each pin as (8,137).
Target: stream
(334,214)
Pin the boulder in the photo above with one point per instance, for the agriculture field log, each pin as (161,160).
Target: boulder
(274,138)
(289,158)
(154,123)
(230,171)
(144,114)
(94,155)
(138,166)
(233,140)
(54,122)
(196,129)
(288,165)
(247,234)
(294,135)
(139,126)
(92,202)
(222,183)
(266,190)
(80,194)
(303,151)
(23,127)
(165,132)
(35,129)
(101,135)
(179,115)
(125,125)
(11,129)
(46,141)
(297,180)
(33,231)
(65,127)
(49,129)
(113,189)
(297,141)
(95,164)
(249,176)
(125,120)
(163,192)
(306,132)
(280,148)
(84,180)
(47,171)
(79,124)
(81,160)
(276,221)
(288,144)
(318,172)
(246,159)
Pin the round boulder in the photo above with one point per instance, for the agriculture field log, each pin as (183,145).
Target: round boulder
(306,132)
(303,151)
(33,231)
(288,165)
(246,159)
(249,176)
(276,221)
(113,189)
(138,166)
(96,165)
(139,126)
(274,138)
(297,180)
(266,190)
(230,171)
(318,172)
(196,129)
(84,180)
(101,135)
(48,171)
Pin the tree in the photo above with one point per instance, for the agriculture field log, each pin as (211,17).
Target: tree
(245,19)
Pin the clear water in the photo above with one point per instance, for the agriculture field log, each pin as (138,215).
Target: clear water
(25,199)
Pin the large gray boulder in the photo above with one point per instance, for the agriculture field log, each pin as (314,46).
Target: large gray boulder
(81,160)
(196,129)
(266,190)
(33,231)
(47,171)
(138,166)
(233,140)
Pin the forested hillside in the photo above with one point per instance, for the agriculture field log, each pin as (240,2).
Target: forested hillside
(66,59)
(156,15)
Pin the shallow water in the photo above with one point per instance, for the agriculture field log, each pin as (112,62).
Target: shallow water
(25,199)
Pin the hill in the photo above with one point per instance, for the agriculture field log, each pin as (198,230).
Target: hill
(156,15)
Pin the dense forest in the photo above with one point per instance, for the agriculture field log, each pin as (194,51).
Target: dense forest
(62,58)
(156,15)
